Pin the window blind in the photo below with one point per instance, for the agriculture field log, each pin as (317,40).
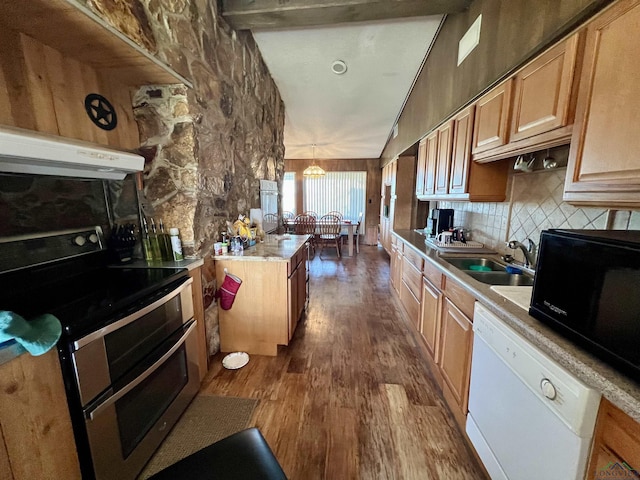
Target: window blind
(344,192)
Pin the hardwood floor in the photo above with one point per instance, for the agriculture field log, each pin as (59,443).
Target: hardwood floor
(351,396)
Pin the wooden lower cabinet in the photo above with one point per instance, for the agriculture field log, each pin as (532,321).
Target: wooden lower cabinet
(396,268)
(297,292)
(267,306)
(456,338)
(411,289)
(430,318)
(616,441)
(441,311)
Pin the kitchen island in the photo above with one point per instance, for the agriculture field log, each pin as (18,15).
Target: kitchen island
(271,298)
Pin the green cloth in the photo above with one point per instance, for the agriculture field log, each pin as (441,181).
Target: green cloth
(37,335)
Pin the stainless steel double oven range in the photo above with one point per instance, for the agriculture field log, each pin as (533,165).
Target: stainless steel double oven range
(128,350)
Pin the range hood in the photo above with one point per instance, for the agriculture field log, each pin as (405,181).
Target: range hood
(26,151)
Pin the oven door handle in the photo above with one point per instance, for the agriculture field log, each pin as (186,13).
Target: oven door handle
(91,414)
(78,344)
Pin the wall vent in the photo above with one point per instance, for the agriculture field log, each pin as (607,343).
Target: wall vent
(470,40)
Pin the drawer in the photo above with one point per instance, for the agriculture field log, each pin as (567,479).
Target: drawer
(411,304)
(414,257)
(412,277)
(459,296)
(433,274)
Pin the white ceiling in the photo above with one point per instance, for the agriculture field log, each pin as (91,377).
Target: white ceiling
(350,115)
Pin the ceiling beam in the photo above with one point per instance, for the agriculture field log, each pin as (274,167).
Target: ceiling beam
(265,14)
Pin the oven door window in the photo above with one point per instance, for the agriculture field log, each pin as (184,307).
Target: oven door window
(130,344)
(138,410)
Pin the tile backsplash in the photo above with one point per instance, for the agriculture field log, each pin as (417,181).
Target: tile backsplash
(534,203)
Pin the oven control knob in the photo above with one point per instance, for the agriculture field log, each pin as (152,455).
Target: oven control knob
(548,390)
(93,238)
(80,240)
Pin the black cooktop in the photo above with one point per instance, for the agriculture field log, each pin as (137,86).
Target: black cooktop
(84,300)
(68,275)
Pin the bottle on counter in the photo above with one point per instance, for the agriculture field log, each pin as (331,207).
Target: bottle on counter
(154,241)
(165,242)
(176,244)
(146,243)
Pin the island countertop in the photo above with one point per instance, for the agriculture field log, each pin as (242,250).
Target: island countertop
(274,248)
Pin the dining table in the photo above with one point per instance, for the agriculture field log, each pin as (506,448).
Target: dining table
(347,225)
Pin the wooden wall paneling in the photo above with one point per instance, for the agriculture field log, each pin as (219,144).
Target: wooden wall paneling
(91,84)
(35,420)
(510,37)
(5,463)
(126,134)
(5,104)
(67,88)
(38,81)
(15,76)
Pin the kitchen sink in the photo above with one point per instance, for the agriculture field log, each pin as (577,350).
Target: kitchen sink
(474,263)
(489,271)
(501,278)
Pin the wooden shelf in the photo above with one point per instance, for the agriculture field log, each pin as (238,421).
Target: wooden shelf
(77,32)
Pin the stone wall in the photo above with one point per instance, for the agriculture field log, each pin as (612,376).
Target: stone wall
(207,147)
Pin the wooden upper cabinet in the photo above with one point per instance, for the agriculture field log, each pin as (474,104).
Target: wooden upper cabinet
(422,166)
(431,163)
(491,125)
(443,163)
(603,167)
(461,150)
(542,91)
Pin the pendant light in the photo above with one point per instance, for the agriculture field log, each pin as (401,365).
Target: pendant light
(314,170)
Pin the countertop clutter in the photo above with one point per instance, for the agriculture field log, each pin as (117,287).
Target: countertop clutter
(273,248)
(616,387)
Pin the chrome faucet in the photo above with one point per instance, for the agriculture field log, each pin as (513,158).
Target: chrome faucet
(529,251)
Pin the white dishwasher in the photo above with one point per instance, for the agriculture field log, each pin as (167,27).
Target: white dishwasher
(528,417)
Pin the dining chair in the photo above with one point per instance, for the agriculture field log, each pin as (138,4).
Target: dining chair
(271,220)
(287,222)
(329,232)
(356,234)
(311,213)
(337,214)
(306,225)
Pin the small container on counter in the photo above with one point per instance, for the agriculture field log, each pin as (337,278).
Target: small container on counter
(176,244)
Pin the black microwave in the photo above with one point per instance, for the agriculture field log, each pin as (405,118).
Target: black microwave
(587,287)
